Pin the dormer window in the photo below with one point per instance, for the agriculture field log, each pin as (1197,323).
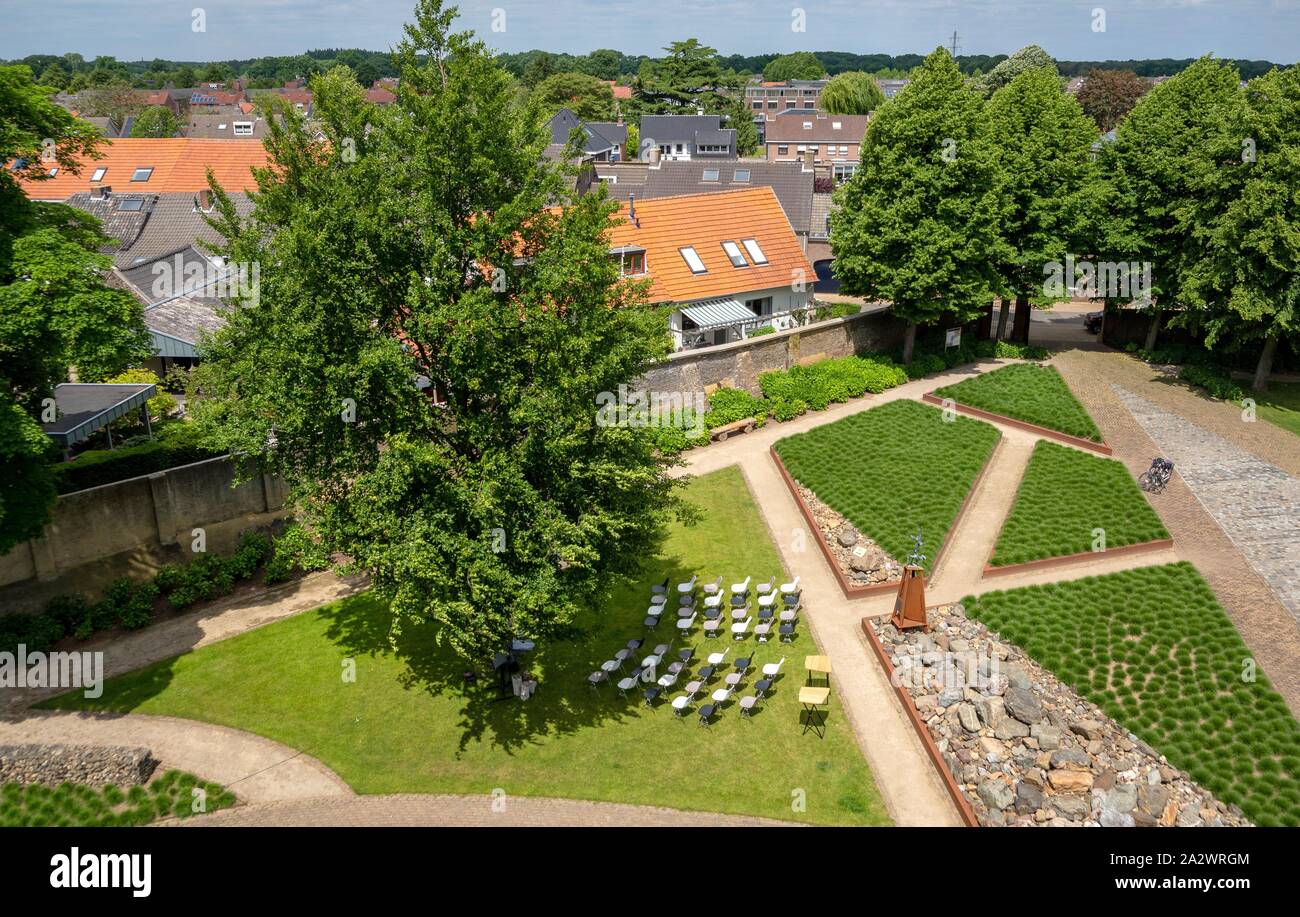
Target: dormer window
(755,253)
(836,125)
(99,173)
(807,125)
(693,260)
(742,175)
(630,259)
(712,174)
(142,173)
(733,253)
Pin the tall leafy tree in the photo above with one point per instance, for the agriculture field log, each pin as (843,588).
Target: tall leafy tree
(154,121)
(55,311)
(1030,57)
(418,240)
(917,223)
(1108,95)
(586,96)
(691,78)
(1245,289)
(1043,143)
(1154,178)
(801,65)
(852,93)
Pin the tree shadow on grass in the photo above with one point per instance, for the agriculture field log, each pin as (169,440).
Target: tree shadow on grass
(565,703)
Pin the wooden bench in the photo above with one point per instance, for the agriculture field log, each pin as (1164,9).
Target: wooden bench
(720,434)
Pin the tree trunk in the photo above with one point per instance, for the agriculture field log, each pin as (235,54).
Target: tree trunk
(909,343)
(1265,365)
(1002,319)
(1154,330)
(1020,327)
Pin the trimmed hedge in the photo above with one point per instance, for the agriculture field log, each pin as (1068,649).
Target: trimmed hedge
(129,603)
(1214,380)
(106,466)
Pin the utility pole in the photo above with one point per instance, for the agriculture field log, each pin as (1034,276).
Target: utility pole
(953,46)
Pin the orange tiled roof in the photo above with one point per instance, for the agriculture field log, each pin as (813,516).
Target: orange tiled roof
(704,222)
(179,164)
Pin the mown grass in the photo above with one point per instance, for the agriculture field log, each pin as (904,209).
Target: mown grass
(893,470)
(409,723)
(1028,392)
(1068,498)
(71,805)
(1155,650)
(1280,405)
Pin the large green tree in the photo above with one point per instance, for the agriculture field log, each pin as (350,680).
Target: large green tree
(1245,288)
(801,65)
(1155,178)
(1043,143)
(154,121)
(585,96)
(418,240)
(1108,95)
(691,78)
(1030,57)
(918,222)
(852,93)
(55,311)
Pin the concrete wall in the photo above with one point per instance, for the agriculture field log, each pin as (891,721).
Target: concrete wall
(738,364)
(145,515)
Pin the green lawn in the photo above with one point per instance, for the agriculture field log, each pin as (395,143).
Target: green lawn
(892,470)
(1280,405)
(1065,496)
(77,806)
(1028,392)
(1153,648)
(408,725)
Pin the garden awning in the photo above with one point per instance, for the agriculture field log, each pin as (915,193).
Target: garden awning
(714,313)
(86,407)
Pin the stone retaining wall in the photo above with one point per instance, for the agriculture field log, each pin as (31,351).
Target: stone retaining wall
(95,765)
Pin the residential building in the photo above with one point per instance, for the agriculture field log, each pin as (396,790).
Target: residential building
(131,165)
(686,137)
(727,263)
(891,88)
(621,93)
(606,141)
(831,140)
(230,122)
(792,182)
(768,99)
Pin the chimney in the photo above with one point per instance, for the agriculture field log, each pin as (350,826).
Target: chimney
(654,156)
(99,190)
(631,211)
(808,159)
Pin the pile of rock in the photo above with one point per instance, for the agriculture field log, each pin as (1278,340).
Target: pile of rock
(1024,748)
(95,765)
(862,561)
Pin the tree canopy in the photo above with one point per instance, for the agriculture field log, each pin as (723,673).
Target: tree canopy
(432,251)
(154,121)
(801,65)
(585,96)
(1108,95)
(1030,57)
(852,93)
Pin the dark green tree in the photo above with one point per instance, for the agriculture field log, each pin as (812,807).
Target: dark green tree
(852,93)
(918,223)
(801,65)
(154,121)
(418,239)
(586,96)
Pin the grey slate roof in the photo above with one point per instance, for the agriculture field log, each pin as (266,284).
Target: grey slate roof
(792,185)
(598,141)
(166,223)
(687,129)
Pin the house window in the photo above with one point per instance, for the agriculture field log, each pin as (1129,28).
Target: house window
(801,148)
(130,203)
(844,150)
(142,173)
(733,253)
(758,104)
(837,125)
(843,171)
(243,128)
(99,173)
(692,259)
(807,125)
(809,105)
(760,306)
(712,174)
(742,175)
(782,150)
(630,263)
(771,105)
(54,171)
(755,253)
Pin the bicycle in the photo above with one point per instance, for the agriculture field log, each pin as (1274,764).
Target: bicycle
(1156,478)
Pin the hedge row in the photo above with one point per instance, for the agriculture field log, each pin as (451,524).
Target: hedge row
(132,604)
(106,466)
(1214,380)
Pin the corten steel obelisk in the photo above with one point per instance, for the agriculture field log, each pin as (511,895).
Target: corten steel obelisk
(909,607)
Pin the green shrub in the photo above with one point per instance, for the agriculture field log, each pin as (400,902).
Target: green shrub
(759,332)
(1214,380)
(831,381)
(924,365)
(1009,350)
(297,549)
(727,405)
(178,444)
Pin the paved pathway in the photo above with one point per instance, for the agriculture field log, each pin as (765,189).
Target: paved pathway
(1255,503)
(466,812)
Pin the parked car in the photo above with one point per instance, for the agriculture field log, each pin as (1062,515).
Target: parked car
(1092,322)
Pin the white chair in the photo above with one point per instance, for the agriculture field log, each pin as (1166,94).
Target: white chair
(747,704)
(770,670)
(687,587)
(716,659)
(712,626)
(684,624)
(766,600)
(681,702)
(713,587)
(713,601)
(630,682)
(792,586)
(733,680)
(738,613)
(722,695)
(789,614)
(740,628)
(658,599)
(742,587)
(761,631)
(764,588)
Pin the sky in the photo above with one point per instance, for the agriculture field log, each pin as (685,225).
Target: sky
(1068,30)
